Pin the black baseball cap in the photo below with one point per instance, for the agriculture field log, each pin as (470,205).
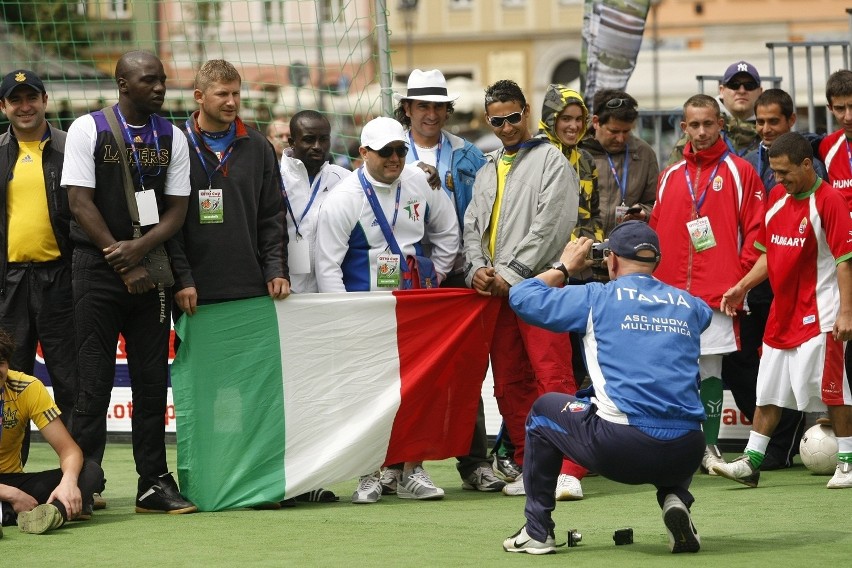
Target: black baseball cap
(17,78)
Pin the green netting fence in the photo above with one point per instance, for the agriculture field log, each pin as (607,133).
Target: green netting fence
(327,55)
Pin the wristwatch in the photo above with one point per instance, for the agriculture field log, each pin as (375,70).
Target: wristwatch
(561,268)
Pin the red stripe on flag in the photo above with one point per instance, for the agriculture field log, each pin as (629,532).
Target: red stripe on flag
(444,337)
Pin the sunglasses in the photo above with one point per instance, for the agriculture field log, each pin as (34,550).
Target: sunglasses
(388,151)
(617,103)
(497,121)
(749,85)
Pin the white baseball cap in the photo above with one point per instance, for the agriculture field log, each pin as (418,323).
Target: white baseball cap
(381,131)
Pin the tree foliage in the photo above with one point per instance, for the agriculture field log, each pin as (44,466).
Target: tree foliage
(54,24)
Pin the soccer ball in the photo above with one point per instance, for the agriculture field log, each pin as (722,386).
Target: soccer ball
(818,450)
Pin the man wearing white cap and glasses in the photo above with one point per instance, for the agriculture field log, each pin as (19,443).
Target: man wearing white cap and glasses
(424,109)
(354,255)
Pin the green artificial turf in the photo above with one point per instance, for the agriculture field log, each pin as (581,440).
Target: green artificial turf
(791,519)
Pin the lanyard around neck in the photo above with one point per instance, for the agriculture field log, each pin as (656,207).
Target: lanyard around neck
(437,152)
(697,203)
(622,184)
(314,191)
(196,145)
(128,139)
(374,201)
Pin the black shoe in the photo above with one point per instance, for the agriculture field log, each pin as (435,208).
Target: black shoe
(162,496)
(317,496)
(771,463)
(86,512)
(505,468)
(270,506)
(682,534)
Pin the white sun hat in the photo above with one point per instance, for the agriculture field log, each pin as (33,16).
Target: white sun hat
(427,86)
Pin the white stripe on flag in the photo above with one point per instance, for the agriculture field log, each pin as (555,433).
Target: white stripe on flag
(340,396)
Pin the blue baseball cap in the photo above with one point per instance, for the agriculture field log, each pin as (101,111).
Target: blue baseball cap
(631,237)
(740,67)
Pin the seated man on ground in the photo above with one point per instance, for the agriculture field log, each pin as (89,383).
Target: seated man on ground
(45,500)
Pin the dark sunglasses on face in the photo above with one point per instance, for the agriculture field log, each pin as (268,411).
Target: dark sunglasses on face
(749,85)
(387,151)
(497,121)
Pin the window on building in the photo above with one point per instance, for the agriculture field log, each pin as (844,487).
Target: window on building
(118,9)
(567,71)
(330,9)
(273,11)
(514,3)
(461,4)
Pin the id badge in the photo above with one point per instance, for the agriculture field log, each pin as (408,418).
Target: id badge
(299,256)
(210,206)
(146,203)
(620,213)
(701,234)
(387,270)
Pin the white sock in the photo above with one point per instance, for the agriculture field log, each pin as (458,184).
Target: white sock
(757,442)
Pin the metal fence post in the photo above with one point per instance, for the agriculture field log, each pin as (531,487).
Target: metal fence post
(383,53)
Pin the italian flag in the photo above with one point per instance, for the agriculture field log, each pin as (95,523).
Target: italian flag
(277,398)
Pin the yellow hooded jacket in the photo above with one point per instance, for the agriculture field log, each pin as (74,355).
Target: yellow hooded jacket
(556,98)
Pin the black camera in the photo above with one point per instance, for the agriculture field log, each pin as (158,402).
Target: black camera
(597,252)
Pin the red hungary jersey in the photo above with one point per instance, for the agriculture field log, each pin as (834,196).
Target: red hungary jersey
(805,236)
(836,152)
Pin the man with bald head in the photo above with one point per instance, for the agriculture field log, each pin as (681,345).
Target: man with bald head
(278,133)
(113,290)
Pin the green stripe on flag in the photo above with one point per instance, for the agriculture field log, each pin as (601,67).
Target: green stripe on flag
(229,404)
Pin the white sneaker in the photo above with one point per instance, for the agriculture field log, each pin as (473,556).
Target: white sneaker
(515,488)
(369,489)
(418,485)
(522,542)
(682,534)
(390,480)
(739,470)
(842,476)
(568,488)
(712,457)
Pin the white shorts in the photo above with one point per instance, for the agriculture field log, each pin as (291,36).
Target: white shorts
(721,337)
(710,366)
(807,377)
